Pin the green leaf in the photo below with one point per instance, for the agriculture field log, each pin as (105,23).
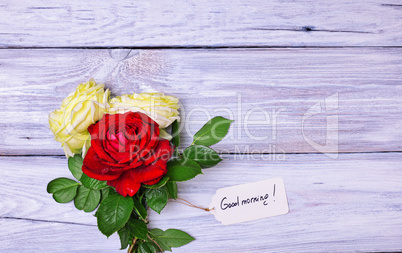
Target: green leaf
(140,209)
(146,247)
(113,213)
(156,232)
(106,192)
(87,199)
(172,189)
(64,190)
(175,133)
(160,184)
(138,228)
(125,237)
(180,169)
(204,156)
(212,132)
(75,165)
(157,199)
(173,238)
(92,183)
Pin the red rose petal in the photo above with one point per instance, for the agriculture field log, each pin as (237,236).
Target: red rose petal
(120,157)
(163,151)
(97,139)
(93,167)
(101,177)
(152,182)
(150,145)
(148,173)
(133,122)
(110,147)
(127,151)
(125,185)
(127,167)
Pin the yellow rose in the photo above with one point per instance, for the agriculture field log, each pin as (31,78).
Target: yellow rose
(161,108)
(78,111)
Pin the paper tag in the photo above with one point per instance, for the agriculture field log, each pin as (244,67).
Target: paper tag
(250,201)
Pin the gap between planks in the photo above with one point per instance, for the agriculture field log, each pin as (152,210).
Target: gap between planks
(212,23)
(282,82)
(47,221)
(233,153)
(348,204)
(195,47)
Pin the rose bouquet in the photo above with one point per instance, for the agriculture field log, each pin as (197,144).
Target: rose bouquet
(126,162)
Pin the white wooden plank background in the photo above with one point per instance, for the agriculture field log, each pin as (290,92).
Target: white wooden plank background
(282,82)
(200,23)
(279,56)
(348,204)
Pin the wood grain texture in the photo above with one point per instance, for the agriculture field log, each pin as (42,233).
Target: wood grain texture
(200,23)
(324,76)
(277,87)
(351,204)
(37,236)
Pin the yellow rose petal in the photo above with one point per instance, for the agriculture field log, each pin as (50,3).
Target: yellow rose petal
(80,109)
(161,108)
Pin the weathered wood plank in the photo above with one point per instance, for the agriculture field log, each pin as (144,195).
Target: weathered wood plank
(349,204)
(278,87)
(34,236)
(200,23)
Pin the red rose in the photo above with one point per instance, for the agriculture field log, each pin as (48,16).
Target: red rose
(126,151)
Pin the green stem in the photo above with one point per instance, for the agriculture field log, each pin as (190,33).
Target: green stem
(130,250)
(176,152)
(150,238)
(140,197)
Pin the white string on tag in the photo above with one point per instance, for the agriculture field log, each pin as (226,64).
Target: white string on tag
(188,203)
